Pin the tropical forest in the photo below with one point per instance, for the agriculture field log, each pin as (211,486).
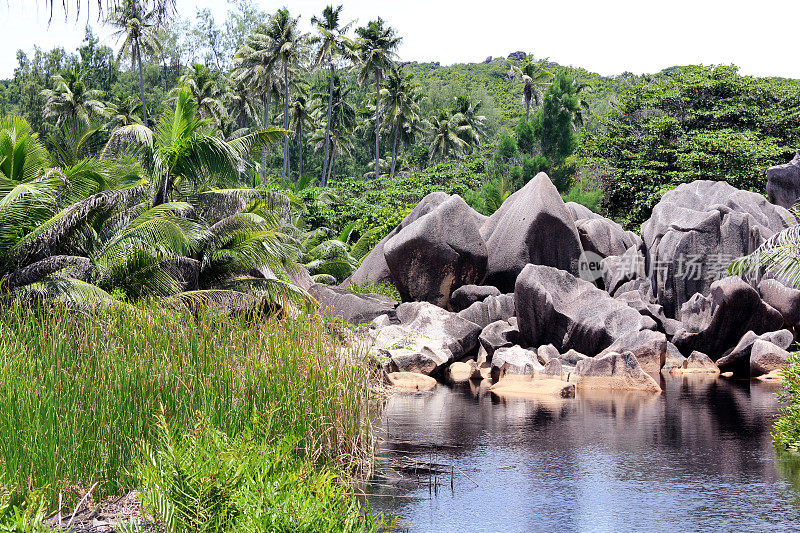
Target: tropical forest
(270,272)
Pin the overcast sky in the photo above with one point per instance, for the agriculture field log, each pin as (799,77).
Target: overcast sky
(605,36)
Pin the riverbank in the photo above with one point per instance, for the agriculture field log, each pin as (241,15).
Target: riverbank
(87,400)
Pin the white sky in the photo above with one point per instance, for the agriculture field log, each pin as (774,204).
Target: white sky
(605,36)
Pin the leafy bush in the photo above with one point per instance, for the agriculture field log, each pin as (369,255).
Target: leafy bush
(582,193)
(693,123)
(526,136)
(786,431)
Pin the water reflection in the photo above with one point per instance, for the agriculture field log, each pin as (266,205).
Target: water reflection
(696,457)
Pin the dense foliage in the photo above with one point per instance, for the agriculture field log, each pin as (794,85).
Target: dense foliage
(693,123)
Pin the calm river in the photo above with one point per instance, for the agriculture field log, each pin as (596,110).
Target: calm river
(697,457)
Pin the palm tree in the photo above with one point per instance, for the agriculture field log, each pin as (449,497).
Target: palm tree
(535,76)
(125,110)
(333,45)
(241,102)
(337,135)
(204,85)
(466,115)
(286,46)
(69,101)
(184,149)
(132,21)
(255,67)
(377,45)
(402,109)
(582,115)
(22,155)
(446,137)
(300,117)
(161,8)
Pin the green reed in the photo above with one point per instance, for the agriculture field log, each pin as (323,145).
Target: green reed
(79,392)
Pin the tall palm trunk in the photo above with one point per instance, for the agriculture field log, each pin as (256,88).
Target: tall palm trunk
(328,130)
(263,172)
(285,121)
(299,141)
(138,56)
(330,164)
(394,148)
(377,124)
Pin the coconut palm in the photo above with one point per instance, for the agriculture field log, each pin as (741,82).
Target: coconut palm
(240,100)
(161,8)
(70,101)
(333,45)
(401,108)
(255,67)
(337,135)
(286,47)
(23,157)
(124,110)
(184,149)
(301,118)
(467,115)
(377,45)
(535,76)
(582,115)
(446,136)
(132,20)
(779,256)
(207,90)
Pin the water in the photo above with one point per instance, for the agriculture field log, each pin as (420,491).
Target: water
(697,457)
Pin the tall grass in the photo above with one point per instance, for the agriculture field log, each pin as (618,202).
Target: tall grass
(80,392)
(786,430)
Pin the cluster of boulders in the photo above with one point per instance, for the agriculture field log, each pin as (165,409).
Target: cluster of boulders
(517,296)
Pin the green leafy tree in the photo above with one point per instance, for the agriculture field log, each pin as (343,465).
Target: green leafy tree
(23,157)
(338,134)
(133,20)
(692,123)
(333,44)
(467,114)
(377,45)
(207,88)
(554,127)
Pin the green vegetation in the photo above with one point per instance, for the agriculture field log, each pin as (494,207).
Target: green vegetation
(78,395)
(693,123)
(786,431)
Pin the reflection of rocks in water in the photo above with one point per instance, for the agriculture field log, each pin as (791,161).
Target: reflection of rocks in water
(684,459)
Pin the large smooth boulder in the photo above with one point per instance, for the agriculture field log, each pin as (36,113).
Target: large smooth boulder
(649,347)
(514,361)
(350,306)
(411,381)
(532,226)
(467,295)
(783,182)
(696,230)
(491,309)
(555,307)
(374,268)
(784,299)
(674,360)
(617,270)
(714,323)
(766,357)
(533,388)
(605,237)
(699,363)
(499,334)
(426,339)
(737,359)
(437,253)
(613,371)
(458,335)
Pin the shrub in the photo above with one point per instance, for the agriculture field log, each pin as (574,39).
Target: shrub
(526,136)
(786,431)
